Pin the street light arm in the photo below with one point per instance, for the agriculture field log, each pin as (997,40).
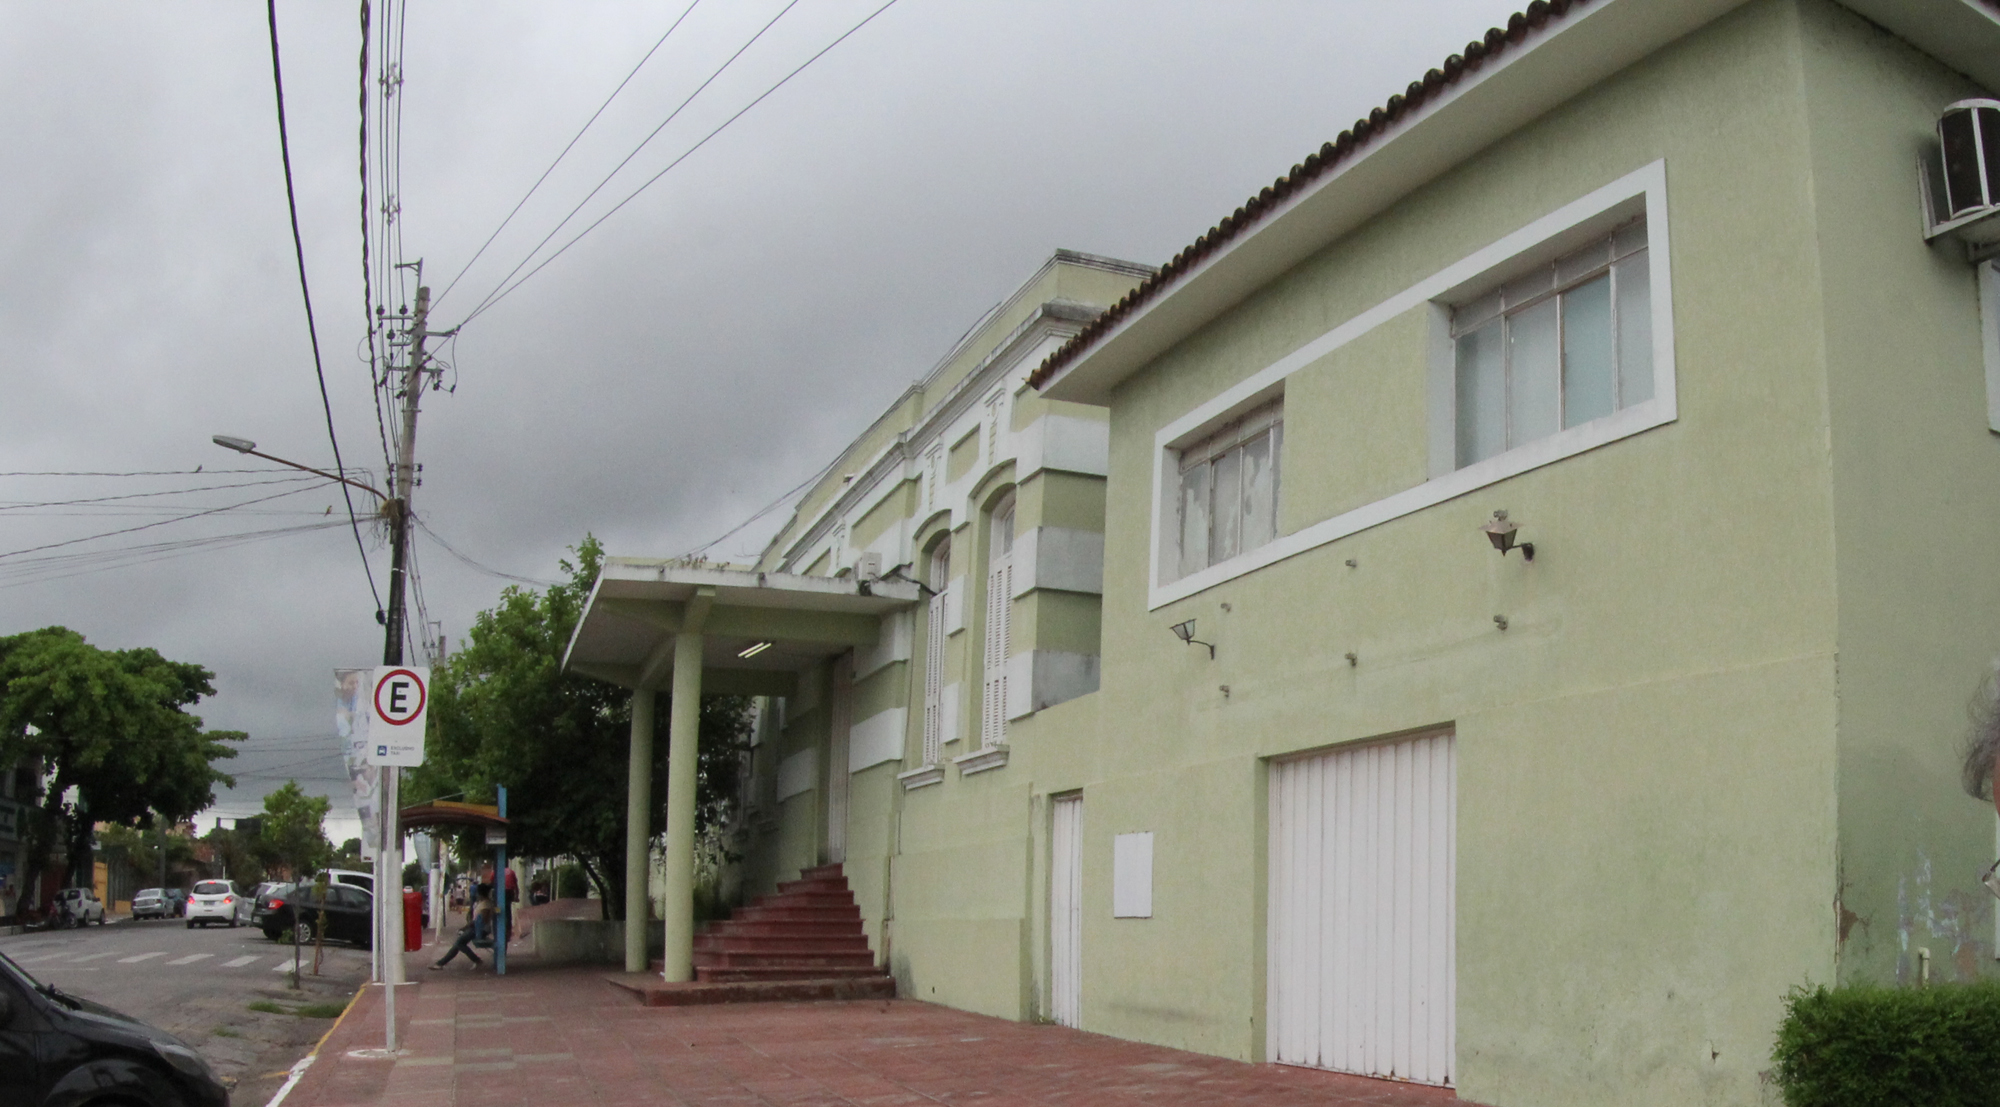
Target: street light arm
(243,447)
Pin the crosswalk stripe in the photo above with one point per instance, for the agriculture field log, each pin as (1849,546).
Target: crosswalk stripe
(141,957)
(93,956)
(284,966)
(190,958)
(240,962)
(39,960)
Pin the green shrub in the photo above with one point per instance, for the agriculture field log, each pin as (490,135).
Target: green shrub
(571,883)
(1870,1046)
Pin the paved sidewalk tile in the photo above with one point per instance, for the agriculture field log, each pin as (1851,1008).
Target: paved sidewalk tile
(545,1037)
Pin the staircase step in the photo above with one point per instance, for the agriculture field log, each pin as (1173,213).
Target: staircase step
(788,913)
(820,886)
(775,973)
(782,943)
(817,871)
(781,960)
(842,898)
(786,928)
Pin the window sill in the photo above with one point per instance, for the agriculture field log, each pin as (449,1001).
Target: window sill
(991,758)
(921,778)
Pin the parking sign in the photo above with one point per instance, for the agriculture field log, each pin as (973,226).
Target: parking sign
(400,701)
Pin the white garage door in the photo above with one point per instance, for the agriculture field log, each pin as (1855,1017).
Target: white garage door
(1363,851)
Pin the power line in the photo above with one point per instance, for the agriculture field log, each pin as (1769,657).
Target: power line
(616,169)
(305,290)
(194,472)
(65,566)
(565,152)
(161,523)
(487,569)
(6,505)
(763,511)
(501,294)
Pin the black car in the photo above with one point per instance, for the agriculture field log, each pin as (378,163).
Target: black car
(346,913)
(57,1049)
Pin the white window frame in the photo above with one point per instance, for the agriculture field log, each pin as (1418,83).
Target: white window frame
(1643,191)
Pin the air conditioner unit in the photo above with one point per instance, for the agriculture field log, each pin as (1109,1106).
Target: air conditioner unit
(868,567)
(1962,178)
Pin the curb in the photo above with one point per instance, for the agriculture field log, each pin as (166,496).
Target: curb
(300,1066)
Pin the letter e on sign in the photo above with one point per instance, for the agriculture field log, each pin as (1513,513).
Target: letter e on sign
(401,699)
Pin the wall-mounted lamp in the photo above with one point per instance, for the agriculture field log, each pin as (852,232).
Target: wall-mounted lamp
(1501,533)
(753,651)
(1185,632)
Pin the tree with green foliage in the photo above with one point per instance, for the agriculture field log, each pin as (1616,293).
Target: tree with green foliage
(294,832)
(113,734)
(503,712)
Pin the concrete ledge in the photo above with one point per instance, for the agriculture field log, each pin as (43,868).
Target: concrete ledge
(588,941)
(651,991)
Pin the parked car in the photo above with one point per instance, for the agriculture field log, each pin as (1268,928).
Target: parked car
(269,912)
(361,880)
(151,903)
(56,1048)
(82,905)
(344,911)
(216,901)
(179,897)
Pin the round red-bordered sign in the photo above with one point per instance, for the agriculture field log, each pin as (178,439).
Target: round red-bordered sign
(403,717)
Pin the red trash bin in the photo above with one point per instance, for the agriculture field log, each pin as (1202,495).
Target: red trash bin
(413,921)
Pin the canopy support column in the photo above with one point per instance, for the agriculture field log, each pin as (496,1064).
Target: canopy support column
(638,820)
(683,750)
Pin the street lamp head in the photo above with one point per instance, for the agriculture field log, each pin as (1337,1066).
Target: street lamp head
(240,445)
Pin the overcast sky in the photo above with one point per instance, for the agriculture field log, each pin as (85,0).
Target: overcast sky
(705,349)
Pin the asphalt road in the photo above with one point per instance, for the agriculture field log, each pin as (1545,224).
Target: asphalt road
(199,984)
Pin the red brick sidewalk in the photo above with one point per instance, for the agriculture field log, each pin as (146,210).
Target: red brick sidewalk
(560,1037)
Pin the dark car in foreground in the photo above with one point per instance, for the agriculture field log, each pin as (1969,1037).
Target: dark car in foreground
(57,1049)
(342,911)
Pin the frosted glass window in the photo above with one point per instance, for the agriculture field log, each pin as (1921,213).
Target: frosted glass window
(1228,499)
(1563,344)
(1590,363)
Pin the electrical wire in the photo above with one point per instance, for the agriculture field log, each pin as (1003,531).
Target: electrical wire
(294,479)
(196,471)
(305,290)
(487,569)
(574,139)
(616,169)
(763,511)
(65,566)
(495,297)
(149,526)
(371,323)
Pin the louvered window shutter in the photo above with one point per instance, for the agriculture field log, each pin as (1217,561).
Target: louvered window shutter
(934,681)
(999,613)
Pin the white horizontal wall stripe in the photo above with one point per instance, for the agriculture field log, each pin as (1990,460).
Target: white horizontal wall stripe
(876,739)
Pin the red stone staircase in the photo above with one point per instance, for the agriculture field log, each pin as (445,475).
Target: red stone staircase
(804,942)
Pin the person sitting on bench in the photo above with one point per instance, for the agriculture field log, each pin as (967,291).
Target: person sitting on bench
(469,935)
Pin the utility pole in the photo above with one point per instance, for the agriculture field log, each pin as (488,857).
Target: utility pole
(389,857)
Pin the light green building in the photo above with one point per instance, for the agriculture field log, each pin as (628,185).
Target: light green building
(1224,722)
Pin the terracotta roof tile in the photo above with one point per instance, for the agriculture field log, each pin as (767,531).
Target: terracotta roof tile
(1477,53)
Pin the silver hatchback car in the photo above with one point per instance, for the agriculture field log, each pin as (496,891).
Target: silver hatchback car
(218,901)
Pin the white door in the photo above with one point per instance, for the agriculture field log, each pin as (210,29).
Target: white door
(1066,912)
(840,720)
(1362,858)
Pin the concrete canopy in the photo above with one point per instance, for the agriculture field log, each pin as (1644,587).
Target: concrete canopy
(626,635)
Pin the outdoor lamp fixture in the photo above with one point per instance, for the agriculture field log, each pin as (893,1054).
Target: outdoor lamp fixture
(1501,532)
(754,650)
(1185,632)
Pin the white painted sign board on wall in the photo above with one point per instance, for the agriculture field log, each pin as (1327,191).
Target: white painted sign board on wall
(399,704)
(1132,876)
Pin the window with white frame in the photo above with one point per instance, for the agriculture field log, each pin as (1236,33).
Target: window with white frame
(1566,343)
(999,624)
(934,636)
(1228,501)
